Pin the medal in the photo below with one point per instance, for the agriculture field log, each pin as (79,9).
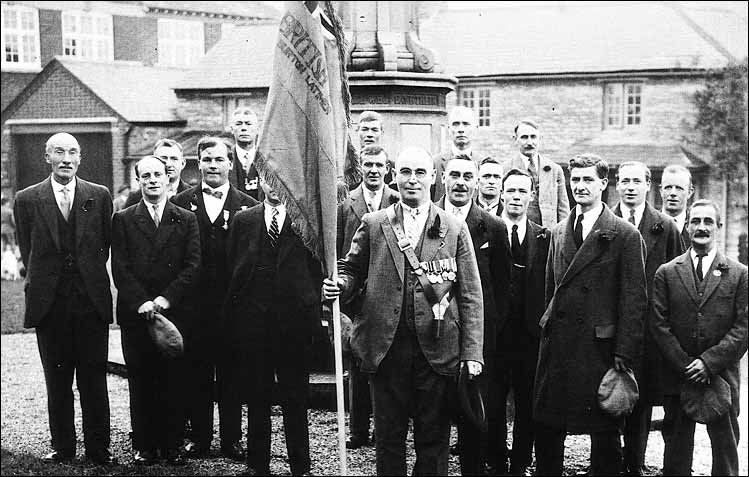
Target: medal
(451,276)
(716,273)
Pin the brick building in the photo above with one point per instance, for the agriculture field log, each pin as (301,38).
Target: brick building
(113,59)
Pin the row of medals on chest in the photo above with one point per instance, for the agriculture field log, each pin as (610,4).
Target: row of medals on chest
(439,271)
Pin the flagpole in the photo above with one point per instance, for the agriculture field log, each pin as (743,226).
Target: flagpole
(340,405)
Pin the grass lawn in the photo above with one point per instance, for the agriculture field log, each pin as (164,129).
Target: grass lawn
(13,307)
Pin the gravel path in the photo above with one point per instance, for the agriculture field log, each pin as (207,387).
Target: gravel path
(25,432)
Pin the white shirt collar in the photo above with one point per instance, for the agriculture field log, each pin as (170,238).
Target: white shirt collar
(160,205)
(456,152)
(486,205)
(374,201)
(223,188)
(268,212)
(681,220)
(423,209)
(464,209)
(707,260)
(589,219)
(70,186)
(414,226)
(639,210)
(249,154)
(522,227)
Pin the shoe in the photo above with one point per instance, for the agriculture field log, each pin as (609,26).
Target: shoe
(101,457)
(144,457)
(233,451)
(196,451)
(455,449)
(59,457)
(357,442)
(518,470)
(174,457)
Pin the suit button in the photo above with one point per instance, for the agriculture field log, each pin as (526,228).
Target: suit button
(700,293)
(395,311)
(579,320)
(699,315)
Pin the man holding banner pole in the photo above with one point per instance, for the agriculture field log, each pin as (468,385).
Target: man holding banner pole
(304,147)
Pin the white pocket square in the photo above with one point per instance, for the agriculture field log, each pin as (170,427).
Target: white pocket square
(486,245)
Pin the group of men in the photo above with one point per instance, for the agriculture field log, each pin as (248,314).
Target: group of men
(463,268)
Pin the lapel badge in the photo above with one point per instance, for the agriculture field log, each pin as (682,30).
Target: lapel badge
(193,207)
(251,184)
(717,273)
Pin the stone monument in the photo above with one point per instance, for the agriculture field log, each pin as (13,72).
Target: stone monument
(393,73)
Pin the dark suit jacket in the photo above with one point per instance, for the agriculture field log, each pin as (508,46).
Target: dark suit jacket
(500,206)
(243,181)
(552,188)
(538,238)
(299,278)
(147,262)
(597,305)
(712,327)
(375,257)
(489,237)
(135,196)
(36,215)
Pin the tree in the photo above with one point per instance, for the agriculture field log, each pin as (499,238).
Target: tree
(722,120)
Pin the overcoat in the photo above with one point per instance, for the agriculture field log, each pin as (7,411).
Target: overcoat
(148,262)
(662,244)
(375,256)
(552,188)
(38,237)
(596,309)
(712,327)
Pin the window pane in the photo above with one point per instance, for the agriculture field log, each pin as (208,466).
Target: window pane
(11,48)
(9,18)
(27,20)
(86,25)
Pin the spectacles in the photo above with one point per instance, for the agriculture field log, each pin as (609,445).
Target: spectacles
(407,173)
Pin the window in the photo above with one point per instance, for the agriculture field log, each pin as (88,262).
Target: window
(622,105)
(181,42)
(480,101)
(20,37)
(87,35)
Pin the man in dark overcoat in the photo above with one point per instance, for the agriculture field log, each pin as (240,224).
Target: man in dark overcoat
(662,243)
(411,346)
(273,311)
(156,267)
(215,202)
(699,320)
(517,345)
(170,153)
(63,230)
(371,195)
(489,237)
(597,300)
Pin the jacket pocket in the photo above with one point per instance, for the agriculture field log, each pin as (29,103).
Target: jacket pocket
(605,331)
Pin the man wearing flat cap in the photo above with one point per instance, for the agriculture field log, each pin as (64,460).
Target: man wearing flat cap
(699,321)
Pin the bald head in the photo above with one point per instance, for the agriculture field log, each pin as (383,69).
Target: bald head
(152,178)
(63,154)
(414,175)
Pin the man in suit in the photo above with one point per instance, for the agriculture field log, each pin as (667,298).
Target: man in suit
(169,152)
(215,202)
(676,190)
(273,312)
(517,344)
(662,243)
(490,186)
(699,320)
(489,238)
(155,265)
(596,303)
(245,128)
(370,196)
(412,345)
(550,204)
(63,230)
(461,125)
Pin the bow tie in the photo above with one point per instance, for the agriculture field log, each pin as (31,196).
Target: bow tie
(215,193)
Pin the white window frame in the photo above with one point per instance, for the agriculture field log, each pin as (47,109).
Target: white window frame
(97,43)
(181,42)
(479,100)
(26,39)
(623,105)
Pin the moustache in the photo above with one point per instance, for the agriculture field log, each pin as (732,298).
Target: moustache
(702,234)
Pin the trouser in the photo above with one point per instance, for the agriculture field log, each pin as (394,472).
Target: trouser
(285,356)
(473,442)
(73,339)
(678,434)
(405,386)
(360,401)
(636,432)
(232,376)
(605,451)
(157,392)
(200,397)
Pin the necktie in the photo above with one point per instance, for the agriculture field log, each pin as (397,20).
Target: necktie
(632,217)
(700,275)
(515,243)
(156,218)
(247,163)
(65,203)
(212,192)
(371,201)
(578,233)
(411,226)
(457,212)
(533,171)
(273,230)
